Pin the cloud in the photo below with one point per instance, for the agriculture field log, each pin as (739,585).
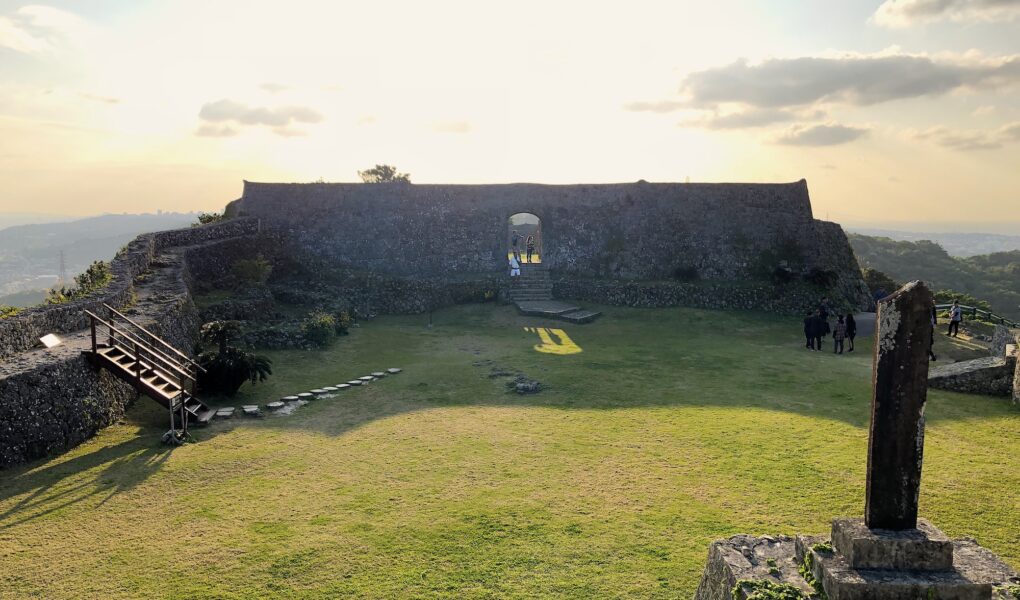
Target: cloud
(103,99)
(904,13)
(279,119)
(852,79)
(970,140)
(37,29)
(753,117)
(983,110)
(829,134)
(274,88)
(216,131)
(662,106)
(366,120)
(453,127)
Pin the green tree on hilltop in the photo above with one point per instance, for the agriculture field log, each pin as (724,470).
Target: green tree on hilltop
(384,174)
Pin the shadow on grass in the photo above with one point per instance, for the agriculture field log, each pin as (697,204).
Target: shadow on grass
(117,469)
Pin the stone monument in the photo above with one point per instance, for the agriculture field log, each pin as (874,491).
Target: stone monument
(890,554)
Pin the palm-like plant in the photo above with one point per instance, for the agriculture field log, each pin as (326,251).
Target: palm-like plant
(227,368)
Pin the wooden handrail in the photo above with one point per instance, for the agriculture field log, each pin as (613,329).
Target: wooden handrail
(187,358)
(154,352)
(974,311)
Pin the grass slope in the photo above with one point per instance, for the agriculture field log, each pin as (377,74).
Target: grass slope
(672,428)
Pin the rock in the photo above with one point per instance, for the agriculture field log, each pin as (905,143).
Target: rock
(275,405)
(393,370)
(523,385)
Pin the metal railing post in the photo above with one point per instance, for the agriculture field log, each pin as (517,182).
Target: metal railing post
(92,329)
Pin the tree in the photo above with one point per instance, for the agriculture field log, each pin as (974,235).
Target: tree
(207,218)
(96,277)
(384,174)
(252,271)
(227,368)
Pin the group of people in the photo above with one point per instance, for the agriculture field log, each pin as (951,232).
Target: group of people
(529,244)
(817,326)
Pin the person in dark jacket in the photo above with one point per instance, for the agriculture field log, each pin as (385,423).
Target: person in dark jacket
(931,344)
(851,329)
(821,328)
(809,330)
(824,309)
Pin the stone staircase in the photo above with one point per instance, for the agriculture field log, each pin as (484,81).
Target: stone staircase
(532,293)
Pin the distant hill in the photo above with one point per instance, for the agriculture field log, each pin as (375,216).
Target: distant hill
(30,254)
(992,277)
(956,244)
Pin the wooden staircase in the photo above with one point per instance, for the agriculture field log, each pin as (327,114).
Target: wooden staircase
(151,365)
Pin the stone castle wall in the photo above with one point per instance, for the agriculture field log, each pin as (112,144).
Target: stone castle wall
(637,231)
(52,400)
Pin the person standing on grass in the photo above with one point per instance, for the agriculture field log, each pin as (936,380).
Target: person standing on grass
(931,344)
(955,316)
(515,242)
(823,306)
(819,330)
(851,329)
(530,246)
(809,330)
(838,334)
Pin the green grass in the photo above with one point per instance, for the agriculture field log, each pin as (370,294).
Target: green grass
(672,428)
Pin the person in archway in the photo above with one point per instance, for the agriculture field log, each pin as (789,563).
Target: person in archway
(515,269)
(515,243)
(530,246)
(851,329)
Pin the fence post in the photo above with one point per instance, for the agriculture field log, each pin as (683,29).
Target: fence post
(92,329)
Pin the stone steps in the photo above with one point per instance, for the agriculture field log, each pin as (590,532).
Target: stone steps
(552,309)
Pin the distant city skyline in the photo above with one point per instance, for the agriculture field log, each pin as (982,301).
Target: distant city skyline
(900,114)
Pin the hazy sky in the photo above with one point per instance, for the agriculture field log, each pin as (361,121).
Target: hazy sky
(903,110)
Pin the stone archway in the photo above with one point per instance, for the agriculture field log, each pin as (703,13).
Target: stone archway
(528,228)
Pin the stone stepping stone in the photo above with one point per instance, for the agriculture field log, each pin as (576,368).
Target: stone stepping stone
(305,396)
(251,410)
(289,398)
(318,391)
(378,374)
(367,378)
(342,386)
(355,382)
(329,388)
(275,405)
(225,412)
(393,370)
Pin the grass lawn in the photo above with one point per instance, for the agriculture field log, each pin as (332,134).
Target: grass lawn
(671,428)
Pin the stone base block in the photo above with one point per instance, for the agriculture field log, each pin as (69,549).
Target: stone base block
(976,574)
(922,549)
(745,558)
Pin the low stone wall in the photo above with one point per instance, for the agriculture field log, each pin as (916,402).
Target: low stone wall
(1000,338)
(789,299)
(22,331)
(51,401)
(992,376)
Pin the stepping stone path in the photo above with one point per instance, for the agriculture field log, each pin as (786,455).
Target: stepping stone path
(289,404)
(225,412)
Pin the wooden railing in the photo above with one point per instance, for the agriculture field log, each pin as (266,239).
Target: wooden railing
(983,314)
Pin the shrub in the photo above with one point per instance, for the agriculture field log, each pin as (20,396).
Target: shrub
(96,277)
(343,322)
(226,371)
(252,271)
(227,368)
(319,328)
(207,218)
(8,311)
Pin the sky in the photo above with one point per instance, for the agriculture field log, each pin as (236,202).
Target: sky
(896,112)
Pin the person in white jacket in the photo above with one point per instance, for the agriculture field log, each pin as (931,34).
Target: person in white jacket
(515,267)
